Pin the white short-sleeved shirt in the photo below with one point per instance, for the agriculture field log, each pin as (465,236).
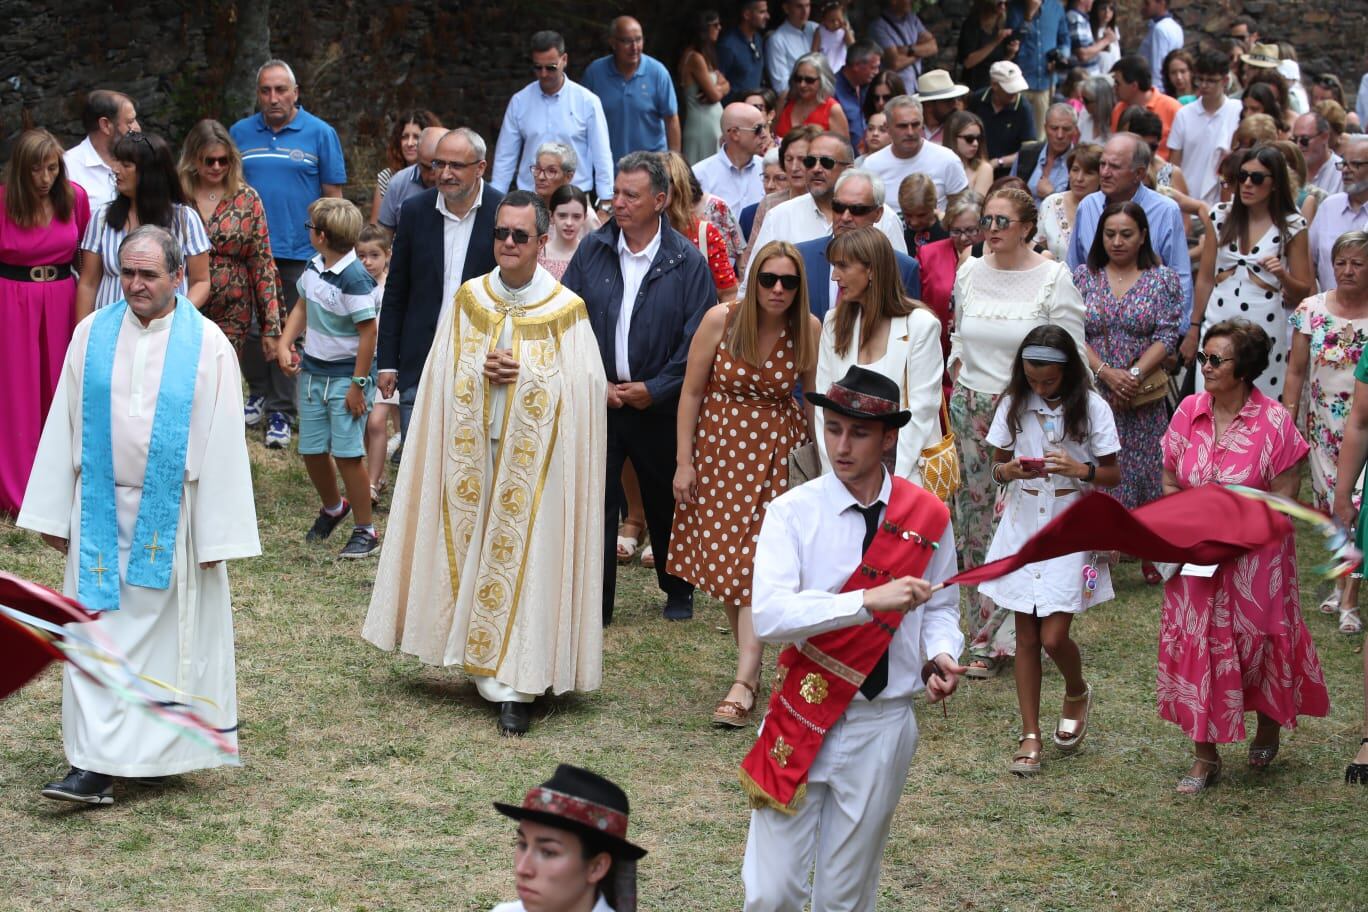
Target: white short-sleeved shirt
(936,162)
(1203,137)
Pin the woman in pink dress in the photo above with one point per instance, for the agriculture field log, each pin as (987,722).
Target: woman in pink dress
(42,218)
(1234,641)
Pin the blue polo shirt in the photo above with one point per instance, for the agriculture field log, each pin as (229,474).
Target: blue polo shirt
(635,108)
(288,170)
(741,61)
(852,103)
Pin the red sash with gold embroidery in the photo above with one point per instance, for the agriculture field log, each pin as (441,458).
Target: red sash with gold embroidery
(817,679)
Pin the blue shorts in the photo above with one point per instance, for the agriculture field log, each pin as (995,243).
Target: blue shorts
(325,425)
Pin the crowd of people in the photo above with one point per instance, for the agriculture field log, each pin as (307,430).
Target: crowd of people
(818,318)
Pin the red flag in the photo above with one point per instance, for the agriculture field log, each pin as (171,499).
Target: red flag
(24,652)
(1202,525)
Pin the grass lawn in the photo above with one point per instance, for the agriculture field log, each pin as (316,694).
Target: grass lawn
(368,777)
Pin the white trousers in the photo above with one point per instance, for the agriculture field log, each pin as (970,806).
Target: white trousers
(838,835)
(496,691)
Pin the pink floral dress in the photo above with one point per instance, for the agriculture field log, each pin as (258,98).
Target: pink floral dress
(1236,642)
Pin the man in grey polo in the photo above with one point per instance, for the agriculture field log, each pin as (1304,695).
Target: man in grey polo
(411,181)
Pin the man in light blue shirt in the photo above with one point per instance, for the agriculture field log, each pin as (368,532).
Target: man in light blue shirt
(1125,162)
(791,40)
(1164,35)
(553,108)
(736,173)
(636,92)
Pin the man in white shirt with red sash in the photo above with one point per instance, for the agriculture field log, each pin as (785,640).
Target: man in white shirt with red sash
(845,571)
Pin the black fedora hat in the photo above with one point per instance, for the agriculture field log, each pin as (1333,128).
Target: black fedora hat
(863,393)
(580,801)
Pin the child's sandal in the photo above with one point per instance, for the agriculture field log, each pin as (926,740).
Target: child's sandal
(1069,733)
(1026,762)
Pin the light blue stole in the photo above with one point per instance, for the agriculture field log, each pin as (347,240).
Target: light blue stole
(154,535)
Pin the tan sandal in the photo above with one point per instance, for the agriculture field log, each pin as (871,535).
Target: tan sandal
(730,714)
(1069,733)
(1192,785)
(1026,762)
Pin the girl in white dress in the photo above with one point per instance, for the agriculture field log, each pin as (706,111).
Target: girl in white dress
(1256,265)
(1053,438)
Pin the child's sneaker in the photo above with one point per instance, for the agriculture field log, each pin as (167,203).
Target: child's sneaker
(325,523)
(277,432)
(363,543)
(253,410)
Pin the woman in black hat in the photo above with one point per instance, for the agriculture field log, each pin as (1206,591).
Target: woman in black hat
(572,851)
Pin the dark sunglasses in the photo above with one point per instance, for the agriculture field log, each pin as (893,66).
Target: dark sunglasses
(1305,141)
(311,226)
(1328,82)
(519,236)
(971,137)
(754,131)
(826,161)
(767,280)
(806,80)
(1000,222)
(855,209)
(220,160)
(545,67)
(1254,177)
(1216,361)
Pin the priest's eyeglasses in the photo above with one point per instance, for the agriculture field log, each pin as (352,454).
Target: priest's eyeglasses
(519,236)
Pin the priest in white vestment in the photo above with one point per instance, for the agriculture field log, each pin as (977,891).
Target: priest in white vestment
(142,480)
(494,549)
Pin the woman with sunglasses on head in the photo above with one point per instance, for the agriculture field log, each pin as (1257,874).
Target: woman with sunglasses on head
(1330,339)
(1057,211)
(1094,121)
(149,193)
(243,279)
(811,98)
(963,135)
(1235,641)
(738,421)
(43,214)
(998,299)
(1256,263)
(1134,305)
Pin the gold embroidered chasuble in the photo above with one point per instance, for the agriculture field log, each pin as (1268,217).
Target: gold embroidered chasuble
(493,554)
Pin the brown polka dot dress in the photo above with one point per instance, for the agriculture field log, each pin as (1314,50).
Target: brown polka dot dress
(748,423)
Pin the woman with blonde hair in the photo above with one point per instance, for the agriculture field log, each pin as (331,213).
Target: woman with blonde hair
(876,326)
(681,210)
(998,299)
(243,279)
(43,215)
(964,136)
(738,422)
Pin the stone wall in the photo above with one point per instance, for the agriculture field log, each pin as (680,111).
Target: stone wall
(359,63)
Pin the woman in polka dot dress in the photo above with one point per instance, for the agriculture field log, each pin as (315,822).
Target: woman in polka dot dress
(1259,266)
(738,421)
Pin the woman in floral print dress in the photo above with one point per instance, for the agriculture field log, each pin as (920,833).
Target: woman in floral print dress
(243,280)
(1234,641)
(1331,335)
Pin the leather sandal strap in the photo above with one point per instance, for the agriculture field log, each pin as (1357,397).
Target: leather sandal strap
(747,686)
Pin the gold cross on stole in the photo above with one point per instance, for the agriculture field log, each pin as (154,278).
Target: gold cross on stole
(153,549)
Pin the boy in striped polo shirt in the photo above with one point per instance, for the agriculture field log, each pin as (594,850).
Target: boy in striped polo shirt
(335,387)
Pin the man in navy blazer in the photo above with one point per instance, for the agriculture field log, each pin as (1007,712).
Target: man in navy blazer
(856,203)
(445,236)
(646,288)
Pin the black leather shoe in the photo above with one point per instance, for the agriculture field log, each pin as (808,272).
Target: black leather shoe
(82,787)
(679,607)
(514,718)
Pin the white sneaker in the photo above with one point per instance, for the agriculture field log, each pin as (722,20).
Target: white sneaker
(278,432)
(254,410)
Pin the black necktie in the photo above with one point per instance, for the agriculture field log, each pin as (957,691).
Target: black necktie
(877,679)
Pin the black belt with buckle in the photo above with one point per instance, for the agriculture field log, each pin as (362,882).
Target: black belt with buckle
(50,273)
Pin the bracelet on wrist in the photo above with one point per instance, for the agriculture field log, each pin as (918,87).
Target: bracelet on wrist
(1092,472)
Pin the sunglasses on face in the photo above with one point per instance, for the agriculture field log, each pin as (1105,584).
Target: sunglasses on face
(545,67)
(768,279)
(806,80)
(1216,361)
(1000,222)
(1305,141)
(971,138)
(856,209)
(1254,177)
(882,96)
(212,160)
(754,131)
(519,236)
(826,161)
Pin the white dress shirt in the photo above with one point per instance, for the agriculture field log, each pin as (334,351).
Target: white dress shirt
(85,167)
(809,545)
(634,267)
(800,219)
(456,231)
(516,906)
(574,116)
(738,187)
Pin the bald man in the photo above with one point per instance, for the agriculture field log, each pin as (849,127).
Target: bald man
(637,93)
(736,172)
(412,180)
